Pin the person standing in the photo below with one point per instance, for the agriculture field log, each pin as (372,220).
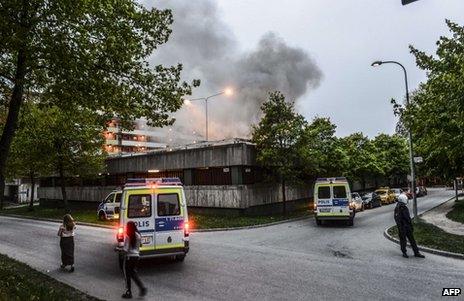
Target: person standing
(66,234)
(405,228)
(132,243)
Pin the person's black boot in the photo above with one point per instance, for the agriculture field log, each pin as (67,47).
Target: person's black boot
(143,292)
(127,295)
(419,255)
(405,255)
(72,269)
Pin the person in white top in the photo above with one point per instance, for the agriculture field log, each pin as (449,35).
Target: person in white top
(132,243)
(66,234)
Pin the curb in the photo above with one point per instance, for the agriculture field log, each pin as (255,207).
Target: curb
(424,249)
(191,231)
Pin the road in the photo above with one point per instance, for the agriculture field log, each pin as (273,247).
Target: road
(290,261)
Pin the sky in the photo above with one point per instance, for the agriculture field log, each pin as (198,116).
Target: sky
(344,38)
(317,52)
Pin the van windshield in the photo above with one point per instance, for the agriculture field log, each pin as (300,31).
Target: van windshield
(339,192)
(323,192)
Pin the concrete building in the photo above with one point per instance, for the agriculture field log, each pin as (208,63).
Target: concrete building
(219,175)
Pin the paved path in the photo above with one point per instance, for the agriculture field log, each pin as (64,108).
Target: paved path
(292,261)
(437,216)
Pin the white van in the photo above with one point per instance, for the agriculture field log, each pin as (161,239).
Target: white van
(332,199)
(159,209)
(108,209)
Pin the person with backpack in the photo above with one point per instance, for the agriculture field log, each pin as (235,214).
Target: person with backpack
(132,243)
(66,234)
(405,228)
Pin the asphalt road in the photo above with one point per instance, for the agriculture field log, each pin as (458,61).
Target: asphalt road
(291,261)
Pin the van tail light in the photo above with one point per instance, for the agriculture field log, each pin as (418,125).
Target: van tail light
(186,229)
(120,235)
(315,206)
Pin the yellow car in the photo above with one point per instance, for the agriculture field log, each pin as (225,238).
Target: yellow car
(387,196)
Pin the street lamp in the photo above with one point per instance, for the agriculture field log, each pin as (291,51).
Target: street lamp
(227,92)
(411,158)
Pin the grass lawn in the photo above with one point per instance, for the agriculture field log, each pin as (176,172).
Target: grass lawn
(20,282)
(208,221)
(457,214)
(431,236)
(197,220)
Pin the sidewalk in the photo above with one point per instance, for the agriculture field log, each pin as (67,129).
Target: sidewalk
(437,217)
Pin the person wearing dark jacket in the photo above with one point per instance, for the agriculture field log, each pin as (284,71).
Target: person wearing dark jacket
(405,228)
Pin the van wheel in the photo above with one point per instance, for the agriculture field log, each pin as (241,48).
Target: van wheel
(318,222)
(180,258)
(101,216)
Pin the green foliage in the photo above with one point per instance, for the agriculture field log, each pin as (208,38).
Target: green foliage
(277,136)
(361,157)
(320,151)
(20,282)
(436,113)
(27,156)
(390,153)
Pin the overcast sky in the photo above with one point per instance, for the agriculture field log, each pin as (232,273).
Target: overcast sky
(343,37)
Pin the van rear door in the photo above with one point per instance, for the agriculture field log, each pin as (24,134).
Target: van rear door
(169,221)
(324,200)
(140,210)
(340,200)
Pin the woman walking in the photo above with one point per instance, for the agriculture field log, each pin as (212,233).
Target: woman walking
(66,234)
(132,242)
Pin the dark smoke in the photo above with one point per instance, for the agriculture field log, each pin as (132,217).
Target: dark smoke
(209,51)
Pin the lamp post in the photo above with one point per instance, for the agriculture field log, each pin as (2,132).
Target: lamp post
(226,92)
(411,153)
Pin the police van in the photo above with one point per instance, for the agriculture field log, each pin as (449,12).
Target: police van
(108,209)
(332,200)
(159,209)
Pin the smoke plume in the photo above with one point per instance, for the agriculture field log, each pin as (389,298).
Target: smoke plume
(208,50)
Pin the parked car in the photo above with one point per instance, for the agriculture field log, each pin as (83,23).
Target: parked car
(387,196)
(357,202)
(397,192)
(371,200)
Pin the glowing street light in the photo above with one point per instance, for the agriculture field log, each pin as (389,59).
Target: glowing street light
(188,102)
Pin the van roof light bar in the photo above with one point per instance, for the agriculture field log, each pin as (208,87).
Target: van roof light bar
(331,180)
(133,182)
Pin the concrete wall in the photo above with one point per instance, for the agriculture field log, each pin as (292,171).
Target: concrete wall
(77,193)
(230,196)
(211,156)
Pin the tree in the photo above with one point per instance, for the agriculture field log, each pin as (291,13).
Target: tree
(436,112)
(320,151)
(27,158)
(276,137)
(361,158)
(391,155)
(86,54)
(74,143)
